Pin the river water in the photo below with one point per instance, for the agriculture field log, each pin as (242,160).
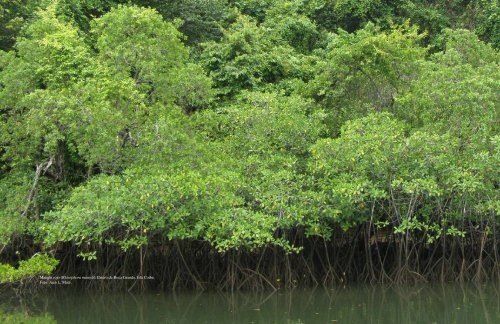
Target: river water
(451,303)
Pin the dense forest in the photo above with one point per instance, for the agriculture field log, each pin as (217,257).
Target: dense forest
(249,144)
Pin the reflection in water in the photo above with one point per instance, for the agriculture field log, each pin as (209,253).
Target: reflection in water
(358,304)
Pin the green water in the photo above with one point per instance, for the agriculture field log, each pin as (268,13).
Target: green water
(352,304)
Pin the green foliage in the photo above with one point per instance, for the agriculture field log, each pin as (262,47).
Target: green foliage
(254,8)
(241,60)
(485,20)
(136,205)
(261,123)
(13,14)
(288,24)
(10,317)
(346,14)
(363,72)
(250,57)
(457,91)
(269,136)
(468,47)
(71,112)
(377,171)
(125,26)
(13,189)
(191,88)
(240,122)
(137,43)
(200,20)
(37,265)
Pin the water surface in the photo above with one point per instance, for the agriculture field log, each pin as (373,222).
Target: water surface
(352,304)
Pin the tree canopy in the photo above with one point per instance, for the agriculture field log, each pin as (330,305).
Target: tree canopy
(239,123)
